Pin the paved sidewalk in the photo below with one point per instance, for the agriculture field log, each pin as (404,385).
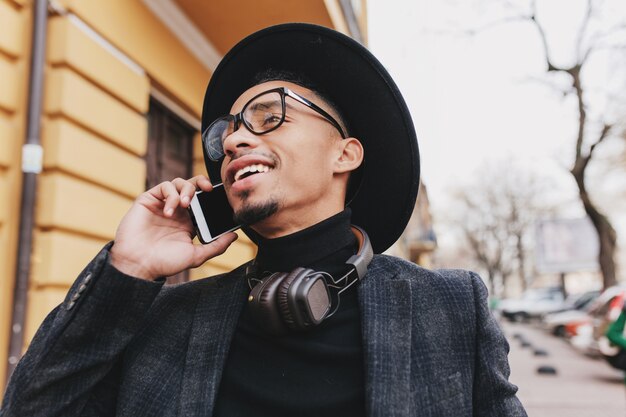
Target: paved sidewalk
(582,386)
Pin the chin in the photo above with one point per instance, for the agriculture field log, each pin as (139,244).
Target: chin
(250,213)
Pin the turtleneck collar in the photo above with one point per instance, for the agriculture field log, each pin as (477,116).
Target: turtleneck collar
(324,246)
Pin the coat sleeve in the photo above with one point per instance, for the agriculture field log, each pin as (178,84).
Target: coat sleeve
(493,394)
(79,342)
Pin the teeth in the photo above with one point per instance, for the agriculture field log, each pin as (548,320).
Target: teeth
(251,168)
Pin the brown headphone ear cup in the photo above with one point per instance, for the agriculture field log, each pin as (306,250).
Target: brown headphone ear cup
(267,289)
(263,303)
(286,304)
(301,298)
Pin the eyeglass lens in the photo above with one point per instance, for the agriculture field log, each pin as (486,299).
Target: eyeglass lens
(263,114)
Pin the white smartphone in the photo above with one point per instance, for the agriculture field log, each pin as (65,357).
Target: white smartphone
(211,214)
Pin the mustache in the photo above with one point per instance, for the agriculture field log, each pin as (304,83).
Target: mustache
(243,153)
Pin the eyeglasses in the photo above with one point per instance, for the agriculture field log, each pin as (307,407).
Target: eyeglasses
(264,113)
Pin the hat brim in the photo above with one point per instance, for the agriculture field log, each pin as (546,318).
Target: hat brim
(364,93)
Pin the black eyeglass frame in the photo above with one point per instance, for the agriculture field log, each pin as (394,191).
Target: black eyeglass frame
(238,119)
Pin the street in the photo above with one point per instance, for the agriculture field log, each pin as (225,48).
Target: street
(581,387)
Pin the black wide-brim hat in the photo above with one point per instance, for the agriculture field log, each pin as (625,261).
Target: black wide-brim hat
(364,93)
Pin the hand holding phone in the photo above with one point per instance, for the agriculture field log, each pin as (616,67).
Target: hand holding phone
(211,214)
(155,237)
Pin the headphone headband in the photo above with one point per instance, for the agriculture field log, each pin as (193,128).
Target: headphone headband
(364,256)
(301,298)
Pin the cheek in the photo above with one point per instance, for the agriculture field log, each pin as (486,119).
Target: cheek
(306,159)
(310,168)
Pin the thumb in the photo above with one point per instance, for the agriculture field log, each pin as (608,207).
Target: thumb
(203,253)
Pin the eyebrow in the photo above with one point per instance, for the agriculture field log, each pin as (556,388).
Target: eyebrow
(265,104)
(262,105)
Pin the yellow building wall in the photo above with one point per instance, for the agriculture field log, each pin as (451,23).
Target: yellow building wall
(132,28)
(95,136)
(103,59)
(15,21)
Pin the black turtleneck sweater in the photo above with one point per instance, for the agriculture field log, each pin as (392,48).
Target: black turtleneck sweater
(318,372)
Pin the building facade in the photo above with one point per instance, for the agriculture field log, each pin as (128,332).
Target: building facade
(123,85)
(418,241)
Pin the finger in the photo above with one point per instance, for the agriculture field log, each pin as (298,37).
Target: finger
(171,197)
(186,189)
(157,191)
(203,253)
(203,182)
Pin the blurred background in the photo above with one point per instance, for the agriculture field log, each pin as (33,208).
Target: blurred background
(520,110)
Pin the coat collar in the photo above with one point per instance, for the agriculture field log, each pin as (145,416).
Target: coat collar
(214,323)
(385,303)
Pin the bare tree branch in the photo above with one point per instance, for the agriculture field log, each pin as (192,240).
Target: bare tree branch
(596,47)
(611,31)
(595,41)
(582,31)
(582,112)
(606,129)
(511,5)
(544,41)
(563,92)
(500,22)
(496,219)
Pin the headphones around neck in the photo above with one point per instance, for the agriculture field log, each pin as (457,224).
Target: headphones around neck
(301,299)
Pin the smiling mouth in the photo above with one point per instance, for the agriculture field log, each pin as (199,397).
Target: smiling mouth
(250,170)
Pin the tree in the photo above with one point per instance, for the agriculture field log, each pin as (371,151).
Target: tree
(593,37)
(496,212)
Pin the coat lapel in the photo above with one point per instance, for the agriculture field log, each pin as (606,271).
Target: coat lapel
(386,322)
(214,323)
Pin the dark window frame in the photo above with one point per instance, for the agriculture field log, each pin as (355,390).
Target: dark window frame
(169,153)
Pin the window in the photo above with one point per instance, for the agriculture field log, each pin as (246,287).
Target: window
(169,154)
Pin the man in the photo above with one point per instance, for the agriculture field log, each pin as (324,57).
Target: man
(298,121)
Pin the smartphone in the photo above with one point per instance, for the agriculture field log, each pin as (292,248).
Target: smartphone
(211,214)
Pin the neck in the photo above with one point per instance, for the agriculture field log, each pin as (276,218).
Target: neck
(323,246)
(283,224)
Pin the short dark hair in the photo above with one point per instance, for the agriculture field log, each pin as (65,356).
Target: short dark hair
(303,81)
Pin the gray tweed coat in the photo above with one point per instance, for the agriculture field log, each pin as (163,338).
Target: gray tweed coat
(127,347)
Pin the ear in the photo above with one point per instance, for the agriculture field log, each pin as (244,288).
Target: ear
(350,156)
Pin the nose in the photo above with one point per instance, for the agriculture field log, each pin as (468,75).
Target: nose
(240,139)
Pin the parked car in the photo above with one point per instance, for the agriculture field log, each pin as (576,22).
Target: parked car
(604,310)
(534,303)
(574,310)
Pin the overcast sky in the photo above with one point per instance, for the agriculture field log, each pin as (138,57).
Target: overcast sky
(485,97)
